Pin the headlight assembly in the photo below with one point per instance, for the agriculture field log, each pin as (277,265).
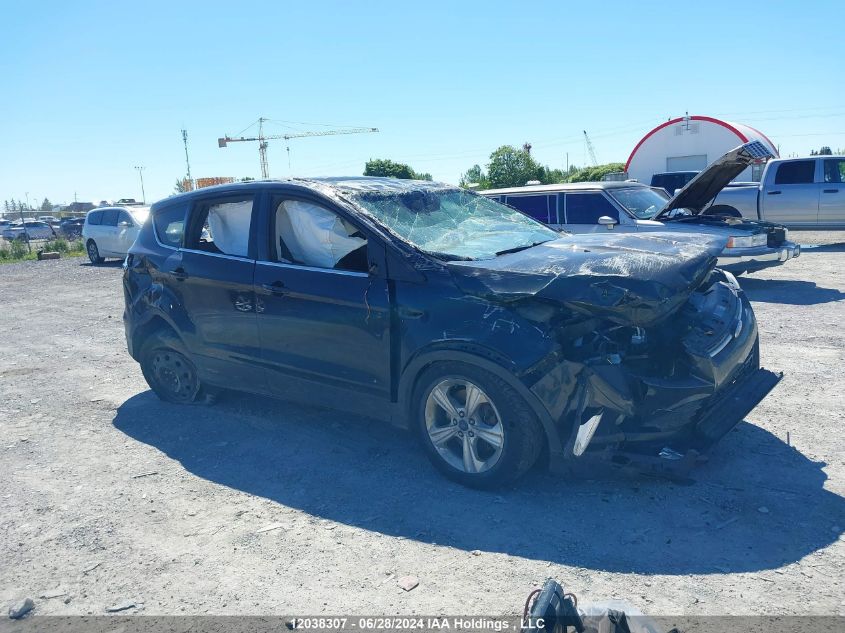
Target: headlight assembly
(747,241)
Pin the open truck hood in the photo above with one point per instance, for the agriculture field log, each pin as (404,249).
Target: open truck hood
(627,278)
(699,191)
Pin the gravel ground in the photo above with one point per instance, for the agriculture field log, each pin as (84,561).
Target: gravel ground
(261,507)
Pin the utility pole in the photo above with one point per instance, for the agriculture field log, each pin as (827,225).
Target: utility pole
(23,224)
(140,169)
(187,160)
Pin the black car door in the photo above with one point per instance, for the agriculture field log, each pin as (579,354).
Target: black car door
(212,274)
(323,306)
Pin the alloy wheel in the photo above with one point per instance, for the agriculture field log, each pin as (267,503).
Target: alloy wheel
(464,426)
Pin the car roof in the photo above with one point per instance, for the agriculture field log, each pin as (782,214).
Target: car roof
(567,186)
(130,209)
(340,184)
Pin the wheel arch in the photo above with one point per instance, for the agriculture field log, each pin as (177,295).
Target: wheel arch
(482,358)
(156,323)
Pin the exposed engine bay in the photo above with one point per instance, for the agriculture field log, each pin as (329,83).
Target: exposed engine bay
(653,390)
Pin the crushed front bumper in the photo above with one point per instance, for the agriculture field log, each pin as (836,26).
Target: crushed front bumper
(750,259)
(664,422)
(729,410)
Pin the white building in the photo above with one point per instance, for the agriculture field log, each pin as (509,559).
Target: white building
(690,143)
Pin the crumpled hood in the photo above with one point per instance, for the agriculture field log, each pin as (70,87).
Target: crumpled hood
(625,277)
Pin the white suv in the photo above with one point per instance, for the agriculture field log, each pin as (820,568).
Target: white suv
(110,231)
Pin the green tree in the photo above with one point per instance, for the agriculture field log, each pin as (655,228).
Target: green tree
(511,167)
(387,168)
(181,186)
(592,174)
(46,206)
(475,177)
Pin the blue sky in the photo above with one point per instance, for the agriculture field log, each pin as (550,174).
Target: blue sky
(91,89)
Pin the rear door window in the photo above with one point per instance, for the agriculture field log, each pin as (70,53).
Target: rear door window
(798,172)
(834,170)
(535,206)
(587,208)
(221,225)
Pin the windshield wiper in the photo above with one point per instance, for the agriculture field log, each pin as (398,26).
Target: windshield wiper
(516,249)
(449,257)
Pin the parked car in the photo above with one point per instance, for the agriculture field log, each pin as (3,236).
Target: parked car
(71,227)
(5,224)
(800,193)
(29,230)
(494,337)
(671,181)
(589,207)
(49,219)
(109,232)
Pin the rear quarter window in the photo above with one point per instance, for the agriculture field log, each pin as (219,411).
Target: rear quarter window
(169,225)
(95,218)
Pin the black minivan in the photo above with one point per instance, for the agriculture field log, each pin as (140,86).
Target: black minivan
(495,338)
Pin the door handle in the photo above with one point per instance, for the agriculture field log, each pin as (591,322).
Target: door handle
(831,190)
(276,288)
(179,274)
(774,193)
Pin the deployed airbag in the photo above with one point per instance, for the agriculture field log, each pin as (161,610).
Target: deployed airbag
(314,235)
(228,224)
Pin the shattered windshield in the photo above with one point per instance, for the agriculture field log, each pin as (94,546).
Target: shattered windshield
(453,223)
(643,202)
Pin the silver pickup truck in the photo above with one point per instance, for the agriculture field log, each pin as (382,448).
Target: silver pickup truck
(589,207)
(799,193)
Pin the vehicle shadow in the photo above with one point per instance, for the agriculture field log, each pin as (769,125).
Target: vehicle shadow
(788,291)
(366,474)
(835,247)
(109,263)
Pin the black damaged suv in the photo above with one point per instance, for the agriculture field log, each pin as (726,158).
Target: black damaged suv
(494,337)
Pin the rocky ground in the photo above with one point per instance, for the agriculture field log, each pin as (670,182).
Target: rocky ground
(111,498)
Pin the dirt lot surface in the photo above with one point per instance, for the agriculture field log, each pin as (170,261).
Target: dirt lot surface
(260,507)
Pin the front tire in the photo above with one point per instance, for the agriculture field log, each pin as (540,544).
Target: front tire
(475,428)
(94,252)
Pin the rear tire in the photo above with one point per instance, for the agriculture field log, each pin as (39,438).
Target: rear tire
(94,252)
(475,428)
(169,371)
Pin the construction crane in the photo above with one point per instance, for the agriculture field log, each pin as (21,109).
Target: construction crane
(590,149)
(262,140)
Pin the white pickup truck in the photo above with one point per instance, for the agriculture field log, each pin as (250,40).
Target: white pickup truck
(799,193)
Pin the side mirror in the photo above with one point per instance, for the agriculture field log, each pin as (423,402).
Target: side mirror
(124,223)
(608,221)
